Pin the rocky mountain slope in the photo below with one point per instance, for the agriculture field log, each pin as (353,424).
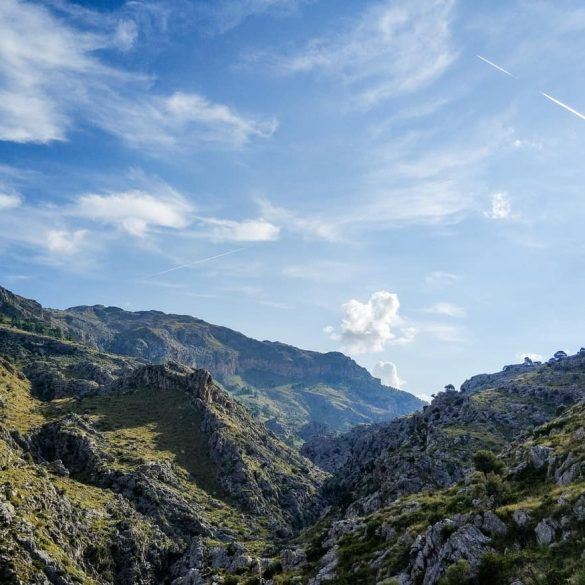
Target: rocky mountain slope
(486,485)
(296,392)
(115,470)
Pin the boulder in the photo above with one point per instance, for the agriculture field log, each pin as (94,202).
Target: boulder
(546,531)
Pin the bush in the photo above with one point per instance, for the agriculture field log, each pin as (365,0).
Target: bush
(458,573)
(493,569)
(487,462)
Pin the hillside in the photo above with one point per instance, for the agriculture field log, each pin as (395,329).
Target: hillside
(485,486)
(296,392)
(118,471)
(126,483)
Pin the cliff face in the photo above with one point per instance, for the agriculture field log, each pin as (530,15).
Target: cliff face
(289,388)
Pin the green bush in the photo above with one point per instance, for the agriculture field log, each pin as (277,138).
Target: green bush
(458,573)
(494,569)
(487,462)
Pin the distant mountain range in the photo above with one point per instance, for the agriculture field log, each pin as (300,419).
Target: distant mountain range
(297,393)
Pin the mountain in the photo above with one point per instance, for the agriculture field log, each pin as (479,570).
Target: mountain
(296,392)
(484,486)
(118,471)
(131,470)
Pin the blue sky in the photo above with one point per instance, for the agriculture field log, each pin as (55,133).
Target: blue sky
(334,175)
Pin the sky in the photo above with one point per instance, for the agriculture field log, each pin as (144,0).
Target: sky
(401,180)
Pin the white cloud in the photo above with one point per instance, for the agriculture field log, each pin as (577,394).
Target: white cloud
(136,212)
(51,78)
(447,309)
(65,242)
(368,327)
(309,227)
(501,208)
(248,230)
(388,374)
(179,120)
(9,201)
(126,34)
(396,47)
(403,183)
(441,279)
(523,144)
(223,15)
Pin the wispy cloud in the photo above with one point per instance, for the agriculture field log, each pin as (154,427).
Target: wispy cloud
(66,242)
(248,230)
(446,309)
(221,16)
(9,201)
(52,79)
(394,48)
(441,279)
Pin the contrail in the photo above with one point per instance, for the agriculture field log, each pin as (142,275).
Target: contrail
(565,106)
(494,65)
(200,261)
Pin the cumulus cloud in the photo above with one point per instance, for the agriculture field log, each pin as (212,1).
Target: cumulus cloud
(51,79)
(9,201)
(501,208)
(65,242)
(446,309)
(368,327)
(136,212)
(394,48)
(388,374)
(248,230)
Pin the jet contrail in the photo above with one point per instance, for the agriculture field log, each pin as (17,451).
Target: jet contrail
(200,261)
(494,65)
(565,106)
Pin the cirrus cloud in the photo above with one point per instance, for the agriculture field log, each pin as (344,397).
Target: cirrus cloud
(53,79)
(394,48)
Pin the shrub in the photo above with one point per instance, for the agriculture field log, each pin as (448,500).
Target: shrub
(458,573)
(493,569)
(487,462)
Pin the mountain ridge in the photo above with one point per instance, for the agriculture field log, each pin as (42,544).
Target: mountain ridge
(296,391)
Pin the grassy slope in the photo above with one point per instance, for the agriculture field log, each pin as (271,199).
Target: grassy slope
(139,428)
